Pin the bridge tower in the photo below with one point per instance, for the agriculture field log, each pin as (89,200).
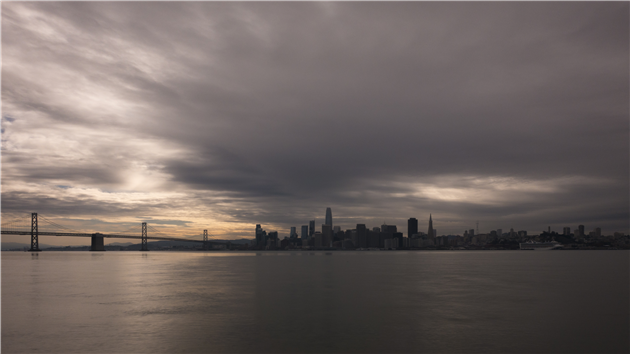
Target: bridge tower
(205,239)
(144,237)
(97,242)
(34,234)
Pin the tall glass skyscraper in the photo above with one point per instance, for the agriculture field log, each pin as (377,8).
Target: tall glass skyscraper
(328,217)
(304,232)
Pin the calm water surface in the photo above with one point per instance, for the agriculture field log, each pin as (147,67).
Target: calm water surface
(328,302)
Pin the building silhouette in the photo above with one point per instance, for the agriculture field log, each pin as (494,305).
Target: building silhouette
(304,234)
(260,237)
(311,228)
(430,232)
(412,227)
(328,220)
(327,235)
(362,236)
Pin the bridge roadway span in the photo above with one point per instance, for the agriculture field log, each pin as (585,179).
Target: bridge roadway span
(97,238)
(44,233)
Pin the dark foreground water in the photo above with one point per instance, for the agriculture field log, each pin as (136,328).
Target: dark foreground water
(346,302)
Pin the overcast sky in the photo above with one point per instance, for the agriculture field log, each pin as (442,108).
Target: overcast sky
(223,115)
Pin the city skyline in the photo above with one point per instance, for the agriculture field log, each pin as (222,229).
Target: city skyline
(432,231)
(220,116)
(389,237)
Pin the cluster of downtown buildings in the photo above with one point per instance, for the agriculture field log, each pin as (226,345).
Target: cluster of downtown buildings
(388,237)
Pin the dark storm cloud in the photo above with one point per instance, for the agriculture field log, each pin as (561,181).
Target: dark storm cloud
(82,204)
(381,110)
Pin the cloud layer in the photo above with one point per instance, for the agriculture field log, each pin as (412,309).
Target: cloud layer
(223,115)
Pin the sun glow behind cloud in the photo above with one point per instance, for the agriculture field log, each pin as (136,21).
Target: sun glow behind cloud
(493,190)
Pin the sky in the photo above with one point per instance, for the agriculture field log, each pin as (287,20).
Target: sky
(223,115)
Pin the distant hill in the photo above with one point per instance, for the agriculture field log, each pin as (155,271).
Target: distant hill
(123,244)
(239,241)
(17,245)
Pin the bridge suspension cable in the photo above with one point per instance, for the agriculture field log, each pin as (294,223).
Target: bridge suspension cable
(17,222)
(54,224)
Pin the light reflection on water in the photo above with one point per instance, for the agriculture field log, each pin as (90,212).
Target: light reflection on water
(191,302)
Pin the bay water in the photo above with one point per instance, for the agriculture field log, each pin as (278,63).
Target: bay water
(316,302)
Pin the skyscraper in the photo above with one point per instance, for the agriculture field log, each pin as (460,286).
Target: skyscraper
(327,235)
(311,228)
(304,235)
(328,220)
(259,232)
(412,227)
(430,232)
(362,235)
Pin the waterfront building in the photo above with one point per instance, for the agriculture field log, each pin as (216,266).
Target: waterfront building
(352,235)
(362,235)
(398,236)
(258,233)
(327,236)
(293,233)
(261,236)
(427,241)
(373,239)
(391,243)
(347,244)
(417,243)
(387,231)
(317,236)
(311,228)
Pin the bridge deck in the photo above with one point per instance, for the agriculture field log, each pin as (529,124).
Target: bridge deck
(45,233)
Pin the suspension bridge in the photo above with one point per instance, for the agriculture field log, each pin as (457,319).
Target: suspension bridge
(32,226)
